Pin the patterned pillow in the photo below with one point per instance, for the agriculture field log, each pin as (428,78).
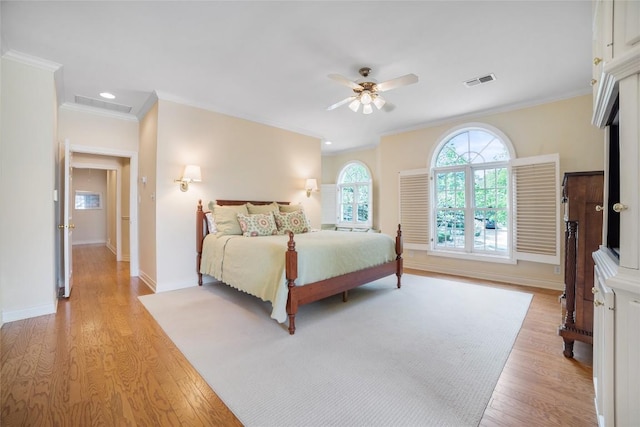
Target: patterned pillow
(257,224)
(295,222)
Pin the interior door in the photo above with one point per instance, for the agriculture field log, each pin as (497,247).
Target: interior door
(67,226)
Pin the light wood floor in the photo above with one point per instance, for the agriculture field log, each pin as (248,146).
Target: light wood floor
(102,360)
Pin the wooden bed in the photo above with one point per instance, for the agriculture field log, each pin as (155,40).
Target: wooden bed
(300,295)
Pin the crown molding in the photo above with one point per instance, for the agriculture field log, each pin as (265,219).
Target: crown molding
(72,106)
(34,61)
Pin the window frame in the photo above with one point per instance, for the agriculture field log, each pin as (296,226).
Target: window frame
(85,194)
(339,188)
(469,251)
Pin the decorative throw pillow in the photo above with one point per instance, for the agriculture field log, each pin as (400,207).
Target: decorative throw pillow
(226,219)
(295,222)
(261,224)
(257,209)
(210,222)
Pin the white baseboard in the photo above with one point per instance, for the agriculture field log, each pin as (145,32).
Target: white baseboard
(112,248)
(89,242)
(151,284)
(514,280)
(26,313)
(165,287)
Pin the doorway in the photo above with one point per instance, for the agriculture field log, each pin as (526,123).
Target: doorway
(121,166)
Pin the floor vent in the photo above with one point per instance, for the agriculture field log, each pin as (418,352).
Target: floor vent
(479,80)
(98,103)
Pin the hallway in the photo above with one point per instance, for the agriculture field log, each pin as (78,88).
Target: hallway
(101,359)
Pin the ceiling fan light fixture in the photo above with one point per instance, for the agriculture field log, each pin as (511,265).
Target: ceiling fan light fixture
(365,97)
(367,109)
(355,105)
(378,101)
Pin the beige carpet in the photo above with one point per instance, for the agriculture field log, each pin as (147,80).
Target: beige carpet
(429,353)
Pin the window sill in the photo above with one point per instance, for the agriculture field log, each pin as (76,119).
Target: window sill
(499,259)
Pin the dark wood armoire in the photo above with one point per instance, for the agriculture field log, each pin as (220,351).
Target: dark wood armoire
(582,196)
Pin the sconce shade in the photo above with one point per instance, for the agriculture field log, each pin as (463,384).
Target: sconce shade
(192,174)
(311,185)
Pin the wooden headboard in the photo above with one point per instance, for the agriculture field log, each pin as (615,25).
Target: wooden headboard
(202,226)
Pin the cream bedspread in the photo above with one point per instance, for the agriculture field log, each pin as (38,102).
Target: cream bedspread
(256,264)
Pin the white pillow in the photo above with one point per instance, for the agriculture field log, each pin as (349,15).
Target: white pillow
(210,222)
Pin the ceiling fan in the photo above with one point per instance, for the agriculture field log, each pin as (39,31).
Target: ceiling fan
(367,90)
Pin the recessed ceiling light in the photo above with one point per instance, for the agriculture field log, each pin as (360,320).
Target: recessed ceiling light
(107,95)
(328,143)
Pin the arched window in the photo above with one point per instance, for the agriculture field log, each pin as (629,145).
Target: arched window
(471,192)
(354,196)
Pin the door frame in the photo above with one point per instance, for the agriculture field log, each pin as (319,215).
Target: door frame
(133,197)
(118,207)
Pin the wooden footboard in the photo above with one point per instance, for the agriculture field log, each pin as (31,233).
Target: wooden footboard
(300,295)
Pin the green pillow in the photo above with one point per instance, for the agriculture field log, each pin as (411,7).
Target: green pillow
(290,208)
(260,209)
(226,218)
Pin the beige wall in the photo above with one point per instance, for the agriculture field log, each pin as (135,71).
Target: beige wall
(85,128)
(91,224)
(27,168)
(239,160)
(562,127)
(147,195)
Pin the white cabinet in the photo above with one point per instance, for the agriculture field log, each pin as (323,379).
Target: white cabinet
(616,351)
(626,26)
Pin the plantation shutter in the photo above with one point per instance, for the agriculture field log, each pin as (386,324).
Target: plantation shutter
(414,208)
(329,212)
(536,196)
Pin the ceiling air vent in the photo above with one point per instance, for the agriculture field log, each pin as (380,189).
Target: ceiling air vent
(479,80)
(98,103)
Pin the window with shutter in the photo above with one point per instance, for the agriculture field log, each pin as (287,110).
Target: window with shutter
(414,208)
(536,182)
(479,202)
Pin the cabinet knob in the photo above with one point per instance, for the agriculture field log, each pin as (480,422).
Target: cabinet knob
(597,60)
(599,208)
(619,207)
(593,82)
(597,303)
(594,290)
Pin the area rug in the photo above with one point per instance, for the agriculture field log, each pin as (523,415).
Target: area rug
(428,354)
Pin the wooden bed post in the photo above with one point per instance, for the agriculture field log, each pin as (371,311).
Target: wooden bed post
(399,255)
(199,239)
(291,269)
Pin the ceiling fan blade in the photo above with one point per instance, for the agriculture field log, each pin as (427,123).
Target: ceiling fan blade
(409,79)
(338,104)
(345,81)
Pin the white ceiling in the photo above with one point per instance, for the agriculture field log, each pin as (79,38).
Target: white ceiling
(268,61)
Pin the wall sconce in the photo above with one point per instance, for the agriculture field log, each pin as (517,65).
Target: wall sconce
(191,174)
(311,185)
